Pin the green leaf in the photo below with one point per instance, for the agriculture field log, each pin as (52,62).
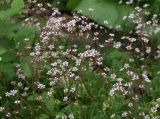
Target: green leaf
(25,32)
(155,37)
(52,104)
(17,4)
(115,54)
(108,11)
(6,43)
(4,5)
(8,57)
(16,8)
(8,69)
(2,50)
(6,29)
(27,70)
(30,98)
(5,15)
(71,4)
(44,116)
(154,8)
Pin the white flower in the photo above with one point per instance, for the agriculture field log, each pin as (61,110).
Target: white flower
(124,114)
(113,115)
(137,50)
(111,34)
(131,60)
(39,97)
(129,47)
(57,116)
(158,99)
(130,105)
(71,116)
(105,22)
(1,109)
(126,66)
(124,18)
(19,84)
(132,39)
(73,90)
(65,90)
(78,62)
(41,86)
(65,64)
(49,93)
(17,101)
(8,114)
(7,94)
(129,2)
(145,39)
(113,76)
(146,117)
(65,99)
(74,69)
(39,5)
(91,9)
(26,39)
(111,93)
(11,93)
(154,109)
(119,79)
(148,49)
(121,69)
(145,5)
(79,11)
(157,105)
(117,44)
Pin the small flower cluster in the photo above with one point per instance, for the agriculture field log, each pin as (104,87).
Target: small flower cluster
(76,62)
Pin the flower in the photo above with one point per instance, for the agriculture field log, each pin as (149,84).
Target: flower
(71,116)
(117,44)
(1,109)
(91,9)
(65,99)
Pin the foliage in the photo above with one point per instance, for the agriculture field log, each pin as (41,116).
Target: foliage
(93,59)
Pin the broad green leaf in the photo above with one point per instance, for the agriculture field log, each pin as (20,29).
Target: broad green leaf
(116,54)
(5,15)
(154,8)
(50,105)
(27,70)
(17,4)
(7,30)
(16,8)
(8,57)
(4,5)
(6,43)
(71,4)
(8,69)
(2,50)
(105,11)
(25,32)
